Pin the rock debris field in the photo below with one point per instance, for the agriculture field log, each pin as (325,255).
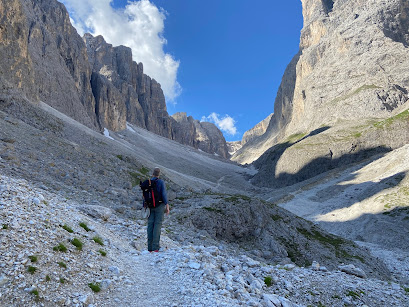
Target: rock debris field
(42,264)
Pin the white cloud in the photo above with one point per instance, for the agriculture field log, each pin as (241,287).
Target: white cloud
(225,124)
(140,26)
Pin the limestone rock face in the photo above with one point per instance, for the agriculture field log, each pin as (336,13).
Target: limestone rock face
(43,55)
(351,66)
(201,135)
(257,130)
(85,78)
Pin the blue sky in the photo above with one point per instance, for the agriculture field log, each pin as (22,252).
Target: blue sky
(225,57)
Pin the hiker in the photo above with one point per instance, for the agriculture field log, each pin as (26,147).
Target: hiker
(156,215)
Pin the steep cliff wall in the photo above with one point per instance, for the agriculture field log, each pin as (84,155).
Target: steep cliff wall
(201,135)
(85,78)
(351,66)
(42,54)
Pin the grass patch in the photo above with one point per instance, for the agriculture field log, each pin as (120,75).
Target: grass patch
(135,178)
(120,157)
(62,264)
(67,228)
(144,171)
(211,209)
(237,197)
(316,235)
(95,287)
(388,122)
(268,281)
(77,243)
(83,225)
(5,226)
(34,292)
(62,280)
(276,217)
(102,252)
(295,137)
(60,248)
(353,294)
(33,258)
(98,240)
(47,278)
(32,269)
(356,92)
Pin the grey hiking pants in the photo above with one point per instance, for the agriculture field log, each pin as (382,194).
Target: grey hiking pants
(154,226)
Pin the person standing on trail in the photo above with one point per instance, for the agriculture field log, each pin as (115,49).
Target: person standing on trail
(156,216)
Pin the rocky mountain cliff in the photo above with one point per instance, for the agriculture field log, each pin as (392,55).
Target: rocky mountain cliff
(86,78)
(351,69)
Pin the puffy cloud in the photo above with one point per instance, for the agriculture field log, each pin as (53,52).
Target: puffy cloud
(225,124)
(140,26)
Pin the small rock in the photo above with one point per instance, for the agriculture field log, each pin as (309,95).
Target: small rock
(352,270)
(194,265)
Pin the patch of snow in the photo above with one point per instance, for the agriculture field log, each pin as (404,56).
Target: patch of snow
(128,126)
(106,133)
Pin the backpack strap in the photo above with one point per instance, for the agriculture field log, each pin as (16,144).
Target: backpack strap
(153,194)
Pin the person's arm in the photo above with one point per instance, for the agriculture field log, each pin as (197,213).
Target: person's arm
(165,198)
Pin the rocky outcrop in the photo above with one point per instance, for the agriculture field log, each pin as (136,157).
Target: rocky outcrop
(43,55)
(256,131)
(201,135)
(351,67)
(85,78)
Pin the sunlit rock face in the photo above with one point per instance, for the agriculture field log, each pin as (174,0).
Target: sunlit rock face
(42,54)
(86,78)
(352,65)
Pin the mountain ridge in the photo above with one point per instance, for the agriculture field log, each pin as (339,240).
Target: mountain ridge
(101,88)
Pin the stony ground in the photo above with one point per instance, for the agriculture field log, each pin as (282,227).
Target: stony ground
(183,274)
(56,174)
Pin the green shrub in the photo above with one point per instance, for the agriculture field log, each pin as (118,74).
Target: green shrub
(120,157)
(5,226)
(77,243)
(103,253)
(67,228)
(60,248)
(83,225)
(33,258)
(47,278)
(34,292)
(406,290)
(62,264)
(95,287)
(62,280)
(98,240)
(268,281)
(31,269)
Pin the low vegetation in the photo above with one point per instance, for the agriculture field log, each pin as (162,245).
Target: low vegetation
(32,269)
(60,248)
(67,228)
(84,225)
(62,264)
(268,281)
(404,116)
(95,287)
(5,226)
(102,252)
(98,240)
(33,258)
(77,243)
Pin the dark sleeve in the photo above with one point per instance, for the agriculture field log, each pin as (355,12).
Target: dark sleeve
(163,192)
